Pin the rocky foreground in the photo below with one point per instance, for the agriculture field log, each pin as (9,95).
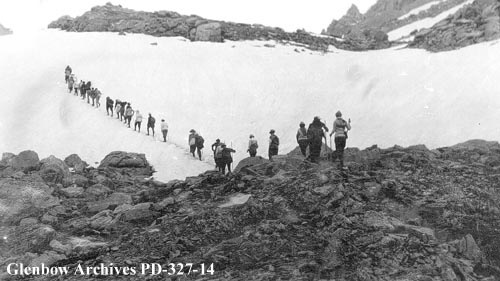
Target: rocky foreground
(394,214)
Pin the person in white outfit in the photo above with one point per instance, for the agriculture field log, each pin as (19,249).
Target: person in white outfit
(138,120)
(164,129)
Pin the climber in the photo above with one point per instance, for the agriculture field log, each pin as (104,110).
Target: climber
(109,106)
(164,129)
(340,128)
(151,124)
(302,138)
(315,135)
(252,146)
(274,143)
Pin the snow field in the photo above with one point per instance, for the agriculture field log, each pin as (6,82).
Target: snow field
(233,89)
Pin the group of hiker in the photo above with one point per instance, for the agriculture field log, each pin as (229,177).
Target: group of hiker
(82,88)
(311,138)
(123,109)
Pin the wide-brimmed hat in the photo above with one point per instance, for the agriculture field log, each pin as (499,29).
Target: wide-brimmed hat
(192,131)
(251,136)
(272,131)
(338,114)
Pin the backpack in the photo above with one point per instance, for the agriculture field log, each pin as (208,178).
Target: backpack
(199,141)
(315,134)
(218,152)
(275,141)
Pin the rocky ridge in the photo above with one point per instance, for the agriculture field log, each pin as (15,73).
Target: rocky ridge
(111,18)
(475,23)
(383,16)
(394,214)
(4,30)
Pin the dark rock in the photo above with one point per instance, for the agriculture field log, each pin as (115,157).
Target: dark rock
(74,161)
(26,161)
(111,202)
(121,159)
(53,170)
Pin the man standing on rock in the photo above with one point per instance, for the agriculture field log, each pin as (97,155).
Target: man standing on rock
(274,143)
(252,146)
(340,128)
(315,135)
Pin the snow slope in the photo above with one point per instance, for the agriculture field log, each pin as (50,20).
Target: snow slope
(420,9)
(424,23)
(232,89)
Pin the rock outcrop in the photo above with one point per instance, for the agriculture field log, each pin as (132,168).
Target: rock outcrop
(385,16)
(395,214)
(111,18)
(475,23)
(4,30)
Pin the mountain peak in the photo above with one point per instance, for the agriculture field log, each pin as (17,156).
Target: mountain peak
(353,11)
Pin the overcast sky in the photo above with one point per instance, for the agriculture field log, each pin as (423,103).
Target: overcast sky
(313,15)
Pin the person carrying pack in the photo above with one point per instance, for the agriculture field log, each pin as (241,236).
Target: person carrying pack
(71,82)
(302,139)
(76,85)
(151,124)
(340,128)
(219,162)
(109,105)
(315,135)
(214,147)
(252,146)
(199,142)
(97,97)
(274,143)
(67,73)
(227,159)
(129,112)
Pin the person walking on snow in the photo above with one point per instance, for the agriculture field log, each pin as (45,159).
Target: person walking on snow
(76,86)
(315,135)
(274,143)
(67,73)
(118,108)
(109,106)
(252,146)
(123,106)
(129,112)
(340,128)
(164,129)
(82,89)
(151,124)
(302,138)
(97,97)
(227,159)
(87,90)
(71,82)
(199,141)
(138,120)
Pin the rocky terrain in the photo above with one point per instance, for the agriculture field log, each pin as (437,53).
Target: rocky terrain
(472,24)
(4,30)
(394,214)
(384,16)
(111,18)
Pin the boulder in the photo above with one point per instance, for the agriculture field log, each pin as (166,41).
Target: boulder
(74,161)
(249,162)
(22,198)
(53,170)
(102,220)
(121,159)
(209,32)
(48,258)
(33,238)
(26,161)
(98,190)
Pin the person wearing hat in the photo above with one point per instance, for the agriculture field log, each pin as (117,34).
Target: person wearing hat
(302,139)
(227,159)
(215,146)
(340,128)
(315,134)
(252,146)
(274,143)
(164,129)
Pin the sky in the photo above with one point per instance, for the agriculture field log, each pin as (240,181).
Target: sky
(30,15)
